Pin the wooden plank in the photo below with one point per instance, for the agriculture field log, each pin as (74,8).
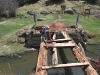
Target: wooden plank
(69,44)
(42,60)
(81,57)
(59,40)
(62,39)
(66,65)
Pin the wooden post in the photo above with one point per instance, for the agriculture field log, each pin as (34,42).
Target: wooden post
(87,12)
(63,8)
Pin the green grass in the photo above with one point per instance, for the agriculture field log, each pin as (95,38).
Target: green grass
(14,24)
(8,33)
(9,27)
(91,25)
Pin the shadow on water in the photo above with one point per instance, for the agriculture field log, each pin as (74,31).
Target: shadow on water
(69,58)
(64,60)
(54,71)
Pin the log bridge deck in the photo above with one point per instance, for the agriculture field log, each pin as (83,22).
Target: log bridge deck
(67,41)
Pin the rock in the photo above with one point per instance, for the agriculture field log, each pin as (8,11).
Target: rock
(44,12)
(21,40)
(31,12)
(32,49)
(41,19)
(69,11)
(28,32)
(97,16)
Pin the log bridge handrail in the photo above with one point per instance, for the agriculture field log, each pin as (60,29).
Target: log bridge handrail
(41,68)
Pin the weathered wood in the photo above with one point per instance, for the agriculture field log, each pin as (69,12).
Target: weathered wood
(69,44)
(77,50)
(42,60)
(62,40)
(81,57)
(54,55)
(58,40)
(93,60)
(66,65)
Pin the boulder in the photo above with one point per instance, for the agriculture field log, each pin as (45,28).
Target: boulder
(44,12)
(69,11)
(41,19)
(31,12)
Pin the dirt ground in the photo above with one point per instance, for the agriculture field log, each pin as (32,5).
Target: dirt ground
(57,26)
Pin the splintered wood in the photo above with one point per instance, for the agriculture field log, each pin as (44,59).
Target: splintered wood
(54,55)
(42,60)
(78,52)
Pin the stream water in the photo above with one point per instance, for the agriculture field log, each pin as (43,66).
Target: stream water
(25,64)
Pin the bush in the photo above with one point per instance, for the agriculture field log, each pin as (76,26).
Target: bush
(8,8)
(57,0)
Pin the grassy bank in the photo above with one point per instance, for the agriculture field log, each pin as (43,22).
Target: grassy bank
(91,25)
(9,27)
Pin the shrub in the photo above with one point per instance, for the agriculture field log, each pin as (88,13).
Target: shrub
(8,8)
(57,0)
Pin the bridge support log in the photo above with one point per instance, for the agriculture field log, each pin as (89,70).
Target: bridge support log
(81,57)
(54,55)
(42,61)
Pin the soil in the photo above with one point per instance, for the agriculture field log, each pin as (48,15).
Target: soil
(57,26)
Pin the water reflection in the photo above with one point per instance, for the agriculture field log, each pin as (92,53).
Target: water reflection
(18,66)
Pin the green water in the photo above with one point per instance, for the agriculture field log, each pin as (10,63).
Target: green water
(25,64)
(93,51)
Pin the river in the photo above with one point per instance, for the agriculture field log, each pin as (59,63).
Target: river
(26,63)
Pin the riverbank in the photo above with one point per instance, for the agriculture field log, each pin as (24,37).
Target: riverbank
(9,28)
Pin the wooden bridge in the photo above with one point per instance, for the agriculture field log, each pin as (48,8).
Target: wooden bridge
(67,42)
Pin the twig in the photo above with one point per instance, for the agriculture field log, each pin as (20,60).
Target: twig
(5,72)
(10,69)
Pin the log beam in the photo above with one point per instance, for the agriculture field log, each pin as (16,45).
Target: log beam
(81,57)
(42,60)
(66,65)
(54,55)
(69,44)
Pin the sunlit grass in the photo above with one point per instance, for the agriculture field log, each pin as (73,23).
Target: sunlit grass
(9,27)
(91,25)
